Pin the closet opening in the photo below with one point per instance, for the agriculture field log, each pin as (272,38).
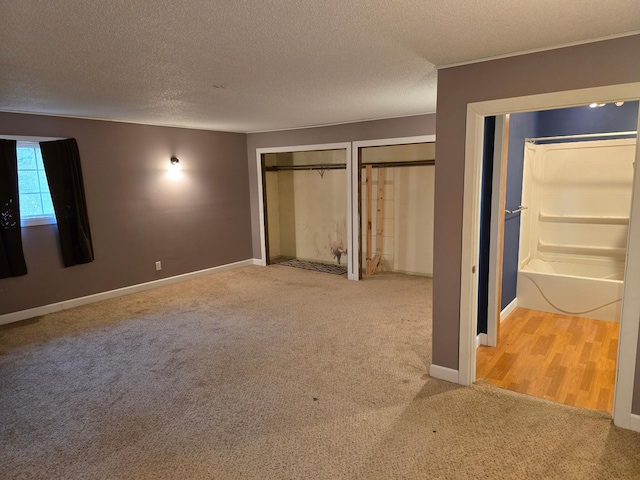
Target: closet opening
(305,205)
(395,201)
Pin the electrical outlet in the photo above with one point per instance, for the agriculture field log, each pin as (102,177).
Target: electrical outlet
(158,266)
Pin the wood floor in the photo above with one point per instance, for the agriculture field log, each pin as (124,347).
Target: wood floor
(566,359)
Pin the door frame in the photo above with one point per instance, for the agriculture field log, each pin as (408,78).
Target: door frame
(630,318)
(498,195)
(355,186)
(261,199)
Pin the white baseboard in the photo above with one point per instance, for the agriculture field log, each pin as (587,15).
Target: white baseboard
(76,302)
(259,262)
(508,309)
(444,373)
(482,339)
(634,422)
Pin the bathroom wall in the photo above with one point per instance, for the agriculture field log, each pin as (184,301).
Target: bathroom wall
(566,121)
(579,198)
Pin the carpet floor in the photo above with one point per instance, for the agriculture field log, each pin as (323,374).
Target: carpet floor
(274,373)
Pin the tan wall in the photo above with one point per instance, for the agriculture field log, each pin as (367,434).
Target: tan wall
(413,222)
(408,212)
(310,219)
(597,64)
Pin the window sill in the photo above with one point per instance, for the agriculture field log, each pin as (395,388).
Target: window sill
(34,221)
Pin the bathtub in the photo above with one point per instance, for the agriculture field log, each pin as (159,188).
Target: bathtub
(581,290)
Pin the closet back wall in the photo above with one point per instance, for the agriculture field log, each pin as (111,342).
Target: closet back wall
(139,214)
(307,209)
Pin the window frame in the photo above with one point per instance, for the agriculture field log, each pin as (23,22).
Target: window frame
(41,219)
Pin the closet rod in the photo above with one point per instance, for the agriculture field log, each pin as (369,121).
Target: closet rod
(317,166)
(584,135)
(409,163)
(333,166)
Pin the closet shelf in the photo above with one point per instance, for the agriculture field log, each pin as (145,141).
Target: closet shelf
(597,220)
(582,250)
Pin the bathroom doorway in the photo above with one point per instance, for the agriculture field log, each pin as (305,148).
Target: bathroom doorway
(563,216)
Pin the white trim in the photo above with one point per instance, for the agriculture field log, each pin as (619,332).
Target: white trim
(353,219)
(30,139)
(470,248)
(97,297)
(383,142)
(206,129)
(630,315)
(348,122)
(542,49)
(506,311)
(257,261)
(634,422)
(300,148)
(497,226)
(443,373)
(190,126)
(482,339)
(35,221)
(627,349)
(356,146)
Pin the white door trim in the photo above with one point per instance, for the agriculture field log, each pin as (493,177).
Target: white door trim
(380,142)
(627,349)
(305,148)
(497,226)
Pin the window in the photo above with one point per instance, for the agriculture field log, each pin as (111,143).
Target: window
(36,207)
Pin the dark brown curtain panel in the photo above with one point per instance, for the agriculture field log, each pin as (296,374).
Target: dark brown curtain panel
(12,262)
(61,160)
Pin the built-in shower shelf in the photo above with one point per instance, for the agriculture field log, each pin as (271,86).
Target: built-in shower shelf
(582,250)
(594,220)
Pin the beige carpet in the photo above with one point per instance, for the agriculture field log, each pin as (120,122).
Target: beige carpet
(274,373)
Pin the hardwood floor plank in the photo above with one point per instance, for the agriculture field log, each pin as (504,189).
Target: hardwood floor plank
(587,378)
(585,354)
(562,358)
(543,345)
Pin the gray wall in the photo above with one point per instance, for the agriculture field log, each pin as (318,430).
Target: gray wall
(596,64)
(138,214)
(350,132)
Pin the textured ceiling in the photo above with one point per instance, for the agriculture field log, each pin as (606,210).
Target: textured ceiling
(248,65)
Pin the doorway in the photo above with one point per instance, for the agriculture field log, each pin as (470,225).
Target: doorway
(565,225)
(471,224)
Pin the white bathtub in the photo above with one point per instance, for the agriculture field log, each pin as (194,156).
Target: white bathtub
(581,290)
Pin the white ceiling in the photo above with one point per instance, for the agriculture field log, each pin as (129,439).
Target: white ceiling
(253,65)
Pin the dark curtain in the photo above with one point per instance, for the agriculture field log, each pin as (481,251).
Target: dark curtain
(12,262)
(61,160)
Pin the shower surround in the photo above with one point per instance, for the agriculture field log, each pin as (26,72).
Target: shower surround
(573,235)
